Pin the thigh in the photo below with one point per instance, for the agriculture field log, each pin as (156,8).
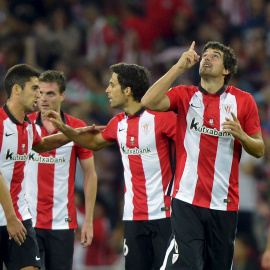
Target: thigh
(28,251)
(138,250)
(186,246)
(162,231)
(3,245)
(59,249)
(220,237)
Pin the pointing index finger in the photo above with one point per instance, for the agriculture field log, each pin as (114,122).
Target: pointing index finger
(192,46)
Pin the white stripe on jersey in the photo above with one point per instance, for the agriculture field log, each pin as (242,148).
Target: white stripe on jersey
(223,169)
(192,141)
(152,168)
(61,173)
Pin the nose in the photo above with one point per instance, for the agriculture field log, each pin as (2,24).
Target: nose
(38,95)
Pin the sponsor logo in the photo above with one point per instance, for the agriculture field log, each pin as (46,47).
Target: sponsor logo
(9,134)
(37,258)
(194,125)
(15,157)
(120,129)
(48,160)
(135,151)
(192,105)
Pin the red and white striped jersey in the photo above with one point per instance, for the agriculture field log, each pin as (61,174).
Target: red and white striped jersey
(207,157)
(16,141)
(143,140)
(50,180)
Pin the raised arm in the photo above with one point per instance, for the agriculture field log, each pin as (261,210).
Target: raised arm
(155,98)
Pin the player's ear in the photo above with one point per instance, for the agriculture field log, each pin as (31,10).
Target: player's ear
(225,72)
(16,89)
(128,91)
(63,96)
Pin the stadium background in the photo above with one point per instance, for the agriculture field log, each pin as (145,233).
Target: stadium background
(84,37)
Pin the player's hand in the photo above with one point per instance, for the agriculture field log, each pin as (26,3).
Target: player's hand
(266,259)
(55,118)
(233,127)
(93,129)
(189,58)
(16,230)
(86,234)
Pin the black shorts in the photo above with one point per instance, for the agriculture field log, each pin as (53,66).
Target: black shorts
(145,243)
(56,248)
(16,257)
(202,238)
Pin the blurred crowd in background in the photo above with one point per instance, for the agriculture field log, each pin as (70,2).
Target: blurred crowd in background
(83,38)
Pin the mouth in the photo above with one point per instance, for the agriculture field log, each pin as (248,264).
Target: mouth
(45,107)
(207,65)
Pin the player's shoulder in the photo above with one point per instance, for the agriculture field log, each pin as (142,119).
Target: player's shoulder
(33,116)
(236,91)
(161,114)
(73,121)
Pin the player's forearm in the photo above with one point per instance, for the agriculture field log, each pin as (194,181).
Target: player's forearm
(253,146)
(5,199)
(153,98)
(90,192)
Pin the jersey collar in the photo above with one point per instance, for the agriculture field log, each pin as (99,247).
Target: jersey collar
(219,92)
(12,118)
(39,122)
(138,113)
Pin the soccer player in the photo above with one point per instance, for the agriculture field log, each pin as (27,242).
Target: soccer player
(17,136)
(214,122)
(50,182)
(143,138)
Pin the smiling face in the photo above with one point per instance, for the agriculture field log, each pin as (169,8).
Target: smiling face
(50,97)
(212,65)
(29,95)
(117,97)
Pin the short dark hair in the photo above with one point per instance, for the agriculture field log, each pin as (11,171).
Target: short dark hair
(229,58)
(54,76)
(19,74)
(134,76)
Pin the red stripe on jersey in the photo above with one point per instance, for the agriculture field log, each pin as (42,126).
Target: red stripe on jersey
(45,194)
(71,206)
(206,161)
(138,182)
(233,191)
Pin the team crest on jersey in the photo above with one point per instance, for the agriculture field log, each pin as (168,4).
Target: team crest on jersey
(211,122)
(145,127)
(23,147)
(227,108)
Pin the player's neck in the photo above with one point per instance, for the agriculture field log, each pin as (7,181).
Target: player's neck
(16,110)
(212,86)
(133,107)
